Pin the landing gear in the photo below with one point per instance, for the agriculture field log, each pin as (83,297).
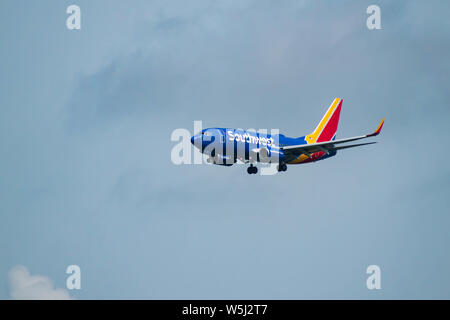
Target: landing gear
(252,169)
(282,167)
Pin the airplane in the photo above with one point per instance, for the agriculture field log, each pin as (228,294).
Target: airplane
(226,146)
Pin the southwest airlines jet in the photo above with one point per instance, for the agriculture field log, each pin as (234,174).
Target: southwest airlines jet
(225,146)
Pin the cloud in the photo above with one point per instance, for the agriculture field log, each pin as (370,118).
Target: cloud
(24,286)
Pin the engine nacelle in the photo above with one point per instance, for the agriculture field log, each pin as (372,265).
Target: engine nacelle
(264,154)
(220,160)
(269,155)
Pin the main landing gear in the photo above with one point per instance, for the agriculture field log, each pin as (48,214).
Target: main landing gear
(252,169)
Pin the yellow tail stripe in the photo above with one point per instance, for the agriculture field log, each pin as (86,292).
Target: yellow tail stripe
(312,138)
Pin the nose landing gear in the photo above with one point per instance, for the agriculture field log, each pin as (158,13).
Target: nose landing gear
(252,169)
(282,167)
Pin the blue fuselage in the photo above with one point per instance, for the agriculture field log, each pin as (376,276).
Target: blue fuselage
(237,144)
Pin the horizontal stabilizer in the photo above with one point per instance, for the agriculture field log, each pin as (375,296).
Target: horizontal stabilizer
(352,146)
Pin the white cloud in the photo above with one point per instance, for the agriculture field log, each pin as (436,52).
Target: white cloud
(33,287)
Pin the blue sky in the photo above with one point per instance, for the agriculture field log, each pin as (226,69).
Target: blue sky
(86,177)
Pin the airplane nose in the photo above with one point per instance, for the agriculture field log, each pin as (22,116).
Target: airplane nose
(197,141)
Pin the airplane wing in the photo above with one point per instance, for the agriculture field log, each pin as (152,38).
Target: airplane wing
(327,146)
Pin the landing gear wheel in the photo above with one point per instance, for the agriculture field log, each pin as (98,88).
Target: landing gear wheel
(252,170)
(282,167)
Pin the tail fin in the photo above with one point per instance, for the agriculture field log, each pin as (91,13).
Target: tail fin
(327,127)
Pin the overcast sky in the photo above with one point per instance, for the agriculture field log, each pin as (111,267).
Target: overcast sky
(86,177)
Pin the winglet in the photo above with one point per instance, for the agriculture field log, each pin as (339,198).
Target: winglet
(377,132)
